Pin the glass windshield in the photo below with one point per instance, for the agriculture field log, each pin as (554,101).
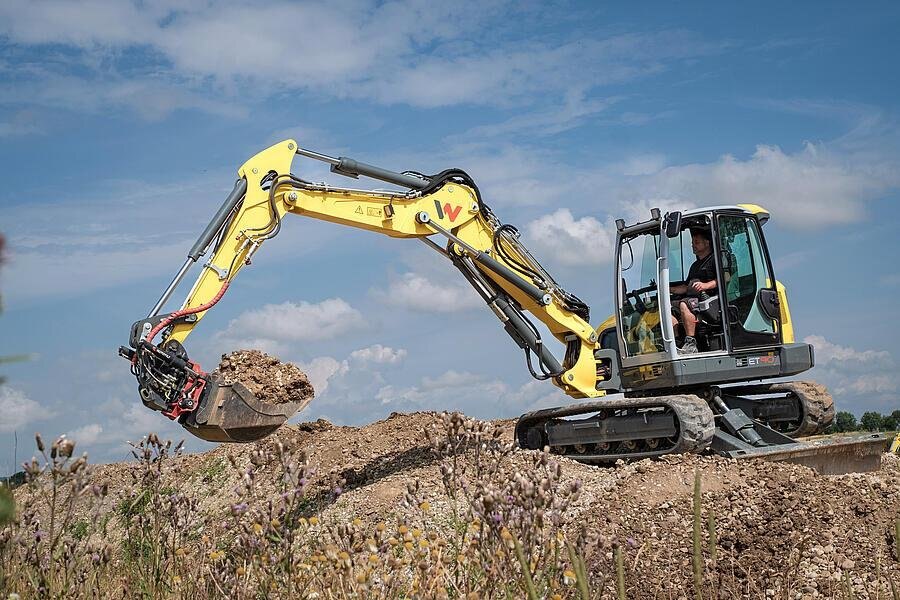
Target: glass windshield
(745,271)
(640,303)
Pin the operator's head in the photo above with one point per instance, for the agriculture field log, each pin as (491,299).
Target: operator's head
(701,241)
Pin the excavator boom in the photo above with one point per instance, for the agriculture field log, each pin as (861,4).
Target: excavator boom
(446,206)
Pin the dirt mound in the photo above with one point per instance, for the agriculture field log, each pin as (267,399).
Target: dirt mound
(777,525)
(270,380)
(778,530)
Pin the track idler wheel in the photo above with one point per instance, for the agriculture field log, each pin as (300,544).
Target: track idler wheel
(816,406)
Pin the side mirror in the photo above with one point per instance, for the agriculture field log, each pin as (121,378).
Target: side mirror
(673,224)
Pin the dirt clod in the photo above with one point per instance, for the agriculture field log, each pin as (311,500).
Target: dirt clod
(270,380)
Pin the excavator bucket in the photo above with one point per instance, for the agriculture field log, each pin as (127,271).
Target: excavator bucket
(827,455)
(231,413)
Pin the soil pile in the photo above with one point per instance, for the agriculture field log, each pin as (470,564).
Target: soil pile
(778,527)
(779,530)
(269,379)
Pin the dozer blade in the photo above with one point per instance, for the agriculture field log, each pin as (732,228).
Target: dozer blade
(827,455)
(231,413)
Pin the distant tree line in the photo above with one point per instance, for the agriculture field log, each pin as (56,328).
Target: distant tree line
(870,421)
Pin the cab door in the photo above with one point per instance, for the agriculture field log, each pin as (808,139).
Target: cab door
(639,305)
(751,301)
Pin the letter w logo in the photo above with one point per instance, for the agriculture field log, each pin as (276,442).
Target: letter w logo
(451,211)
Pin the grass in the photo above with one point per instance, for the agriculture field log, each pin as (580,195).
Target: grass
(213,470)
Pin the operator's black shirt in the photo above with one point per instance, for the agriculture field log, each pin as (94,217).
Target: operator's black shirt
(703,269)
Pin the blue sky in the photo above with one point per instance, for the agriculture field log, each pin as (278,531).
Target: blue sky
(122,125)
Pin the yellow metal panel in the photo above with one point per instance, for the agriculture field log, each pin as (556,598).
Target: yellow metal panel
(609,322)
(787,326)
(450,206)
(253,214)
(761,213)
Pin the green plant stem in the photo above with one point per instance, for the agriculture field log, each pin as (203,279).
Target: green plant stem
(698,548)
(526,570)
(897,538)
(620,573)
(848,590)
(580,575)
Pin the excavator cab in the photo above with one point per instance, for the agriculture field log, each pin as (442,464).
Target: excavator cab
(743,322)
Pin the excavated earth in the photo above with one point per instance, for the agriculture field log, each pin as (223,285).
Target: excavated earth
(782,530)
(779,526)
(270,380)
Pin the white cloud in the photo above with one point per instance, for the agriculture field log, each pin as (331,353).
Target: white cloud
(449,379)
(130,421)
(407,51)
(321,370)
(18,410)
(379,354)
(101,236)
(416,292)
(359,369)
(120,231)
(575,110)
(830,353)
(859,380)
(292,322)
(447,391)
(810,189)
(84,271)
(87,434)
(873,384)
(571,241)
(152,99)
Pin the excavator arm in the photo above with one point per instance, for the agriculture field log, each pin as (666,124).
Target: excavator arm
(445,211)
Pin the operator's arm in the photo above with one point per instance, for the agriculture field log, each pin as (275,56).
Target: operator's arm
(701,286)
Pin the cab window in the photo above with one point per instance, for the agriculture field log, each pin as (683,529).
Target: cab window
(746,271)
(641,328)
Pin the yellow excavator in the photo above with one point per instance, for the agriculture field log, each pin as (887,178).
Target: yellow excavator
(728,395)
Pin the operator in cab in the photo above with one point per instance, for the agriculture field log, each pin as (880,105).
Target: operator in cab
(701,278)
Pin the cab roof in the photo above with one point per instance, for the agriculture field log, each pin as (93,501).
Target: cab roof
(751,209)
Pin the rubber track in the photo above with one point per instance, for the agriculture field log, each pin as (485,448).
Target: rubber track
(695,423)
(816,402)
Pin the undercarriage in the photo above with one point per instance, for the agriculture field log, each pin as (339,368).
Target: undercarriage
(741,421)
